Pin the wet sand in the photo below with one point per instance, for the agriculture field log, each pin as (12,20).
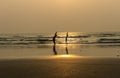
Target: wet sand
(61,68)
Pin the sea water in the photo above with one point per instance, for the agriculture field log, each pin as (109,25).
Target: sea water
(40,45)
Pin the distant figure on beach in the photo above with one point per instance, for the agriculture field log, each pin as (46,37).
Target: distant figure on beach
(66,41)
(54,38)
(54,41)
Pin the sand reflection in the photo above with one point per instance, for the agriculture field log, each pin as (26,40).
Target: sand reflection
(65,56)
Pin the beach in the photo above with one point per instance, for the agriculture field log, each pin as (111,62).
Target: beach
(60,61)
(60,68)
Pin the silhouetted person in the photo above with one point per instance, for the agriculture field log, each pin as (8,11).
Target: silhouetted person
(66,41)
(54,38)
(54,41)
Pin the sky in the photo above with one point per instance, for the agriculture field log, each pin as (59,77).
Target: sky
(35,16)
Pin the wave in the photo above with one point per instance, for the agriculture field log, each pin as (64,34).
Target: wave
(86,38)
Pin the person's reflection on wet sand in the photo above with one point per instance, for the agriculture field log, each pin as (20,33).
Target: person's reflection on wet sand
(54,46)
(66,49)
(54,49)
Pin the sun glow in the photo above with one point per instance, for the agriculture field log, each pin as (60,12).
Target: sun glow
(74,33)
(65,4)
(69,46)
(65,56)
(65,1)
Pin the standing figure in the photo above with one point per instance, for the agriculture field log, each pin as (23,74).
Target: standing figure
(54,38)
(54,41)
(66,41)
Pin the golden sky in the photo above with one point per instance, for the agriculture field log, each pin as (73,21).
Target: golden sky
(35,16)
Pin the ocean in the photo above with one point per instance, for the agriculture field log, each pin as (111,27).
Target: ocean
(73,38)
(40,45)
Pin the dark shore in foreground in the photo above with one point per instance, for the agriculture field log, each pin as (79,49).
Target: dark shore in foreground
(61,68)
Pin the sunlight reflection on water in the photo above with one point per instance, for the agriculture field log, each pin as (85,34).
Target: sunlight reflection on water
(65,56)
(46,51)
